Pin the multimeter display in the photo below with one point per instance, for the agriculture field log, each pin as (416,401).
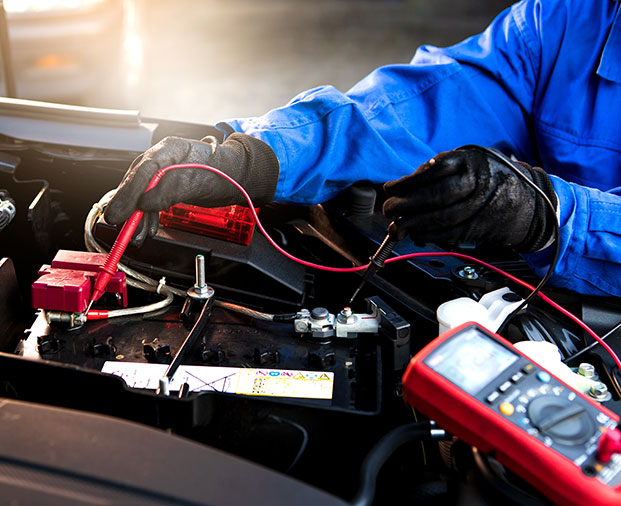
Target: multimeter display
(470,360)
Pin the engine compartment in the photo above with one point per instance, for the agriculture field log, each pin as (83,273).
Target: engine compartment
(307,394)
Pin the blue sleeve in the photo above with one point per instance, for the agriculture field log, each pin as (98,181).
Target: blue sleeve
(479,91)
(589,260)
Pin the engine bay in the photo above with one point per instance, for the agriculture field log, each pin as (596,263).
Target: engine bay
(264,358)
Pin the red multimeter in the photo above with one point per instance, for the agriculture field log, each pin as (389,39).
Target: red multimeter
(478,387)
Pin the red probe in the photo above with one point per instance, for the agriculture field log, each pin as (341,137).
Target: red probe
(113,258)
(107,270)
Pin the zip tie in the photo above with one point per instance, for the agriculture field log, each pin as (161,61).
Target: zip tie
(160,285)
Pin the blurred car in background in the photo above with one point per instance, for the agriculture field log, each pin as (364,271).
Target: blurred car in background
(63,49)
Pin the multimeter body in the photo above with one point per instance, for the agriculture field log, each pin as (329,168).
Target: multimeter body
(477,386)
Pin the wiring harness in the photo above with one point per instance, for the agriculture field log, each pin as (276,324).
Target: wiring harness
(152,285)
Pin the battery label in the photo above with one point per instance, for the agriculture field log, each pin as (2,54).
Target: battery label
(284,383)
(232,380)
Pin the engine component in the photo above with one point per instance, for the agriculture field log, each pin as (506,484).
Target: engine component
(395,332)
(321,324)
(548,355)
(69,320)
(7,209)
(490,311)
(66,284)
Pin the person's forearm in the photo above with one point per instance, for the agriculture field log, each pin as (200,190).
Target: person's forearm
(589,260)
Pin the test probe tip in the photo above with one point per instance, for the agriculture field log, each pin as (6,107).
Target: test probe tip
(376,263)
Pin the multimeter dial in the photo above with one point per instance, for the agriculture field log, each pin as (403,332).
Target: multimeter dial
(566,422)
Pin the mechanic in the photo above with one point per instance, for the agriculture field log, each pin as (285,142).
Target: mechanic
(542,83)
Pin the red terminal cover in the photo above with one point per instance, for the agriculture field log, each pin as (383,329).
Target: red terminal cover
(62,290)
(554,475)
(232,223)
(66,285)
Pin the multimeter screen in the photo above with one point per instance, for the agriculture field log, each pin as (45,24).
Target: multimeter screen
(470,359)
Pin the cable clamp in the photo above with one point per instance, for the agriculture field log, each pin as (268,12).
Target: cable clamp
(161,284)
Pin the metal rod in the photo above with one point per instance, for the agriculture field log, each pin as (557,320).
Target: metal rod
(5,47)
(197,330)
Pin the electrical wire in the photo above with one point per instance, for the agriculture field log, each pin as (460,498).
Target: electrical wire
(535,290)
(303,444)
(593,344)
(138,280)
(556,230)
(381,452)
(405,257)
(547,299)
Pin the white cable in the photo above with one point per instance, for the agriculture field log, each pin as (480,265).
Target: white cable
(135,278)
(92,244)
(142,309)
(143,282)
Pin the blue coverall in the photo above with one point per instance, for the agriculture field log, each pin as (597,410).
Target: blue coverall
(543,83)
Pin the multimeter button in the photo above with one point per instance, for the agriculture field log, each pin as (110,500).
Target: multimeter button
(492,397)
(506,408)
(517,377)
(504,387)
(528,368)
(544,377)
(564,421)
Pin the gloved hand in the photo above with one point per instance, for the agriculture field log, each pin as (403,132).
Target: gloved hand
(467,196)
(249,161)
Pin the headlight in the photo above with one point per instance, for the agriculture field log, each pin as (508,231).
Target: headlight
(47,5)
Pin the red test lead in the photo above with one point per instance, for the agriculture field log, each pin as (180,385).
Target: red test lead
(109,268)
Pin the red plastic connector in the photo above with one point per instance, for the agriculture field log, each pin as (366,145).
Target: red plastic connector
(232,223)
(67,284)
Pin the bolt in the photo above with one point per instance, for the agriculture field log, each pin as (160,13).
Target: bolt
(319,313)
(599,391)
(200,290)
(346,316)
(200,284)
(587,370)
(468,272)
(301,326)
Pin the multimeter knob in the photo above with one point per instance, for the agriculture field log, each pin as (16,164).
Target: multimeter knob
(566,422)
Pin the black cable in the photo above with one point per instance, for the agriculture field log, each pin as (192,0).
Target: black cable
(594,343)
(381,452)
(501,485)
(505,160)
(376,263)
(304,443)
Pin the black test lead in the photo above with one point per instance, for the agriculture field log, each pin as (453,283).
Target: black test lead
(376,263)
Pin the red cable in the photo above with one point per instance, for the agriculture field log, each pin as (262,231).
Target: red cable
(158,175)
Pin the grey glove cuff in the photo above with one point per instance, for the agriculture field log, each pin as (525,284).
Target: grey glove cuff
(541,232)
(253,164)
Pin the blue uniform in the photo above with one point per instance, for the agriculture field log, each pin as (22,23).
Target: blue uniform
(543,83)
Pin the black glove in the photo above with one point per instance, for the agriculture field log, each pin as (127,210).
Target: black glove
(249,161)
(467,196)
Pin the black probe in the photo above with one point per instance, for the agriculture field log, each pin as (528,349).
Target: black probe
(376,263)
